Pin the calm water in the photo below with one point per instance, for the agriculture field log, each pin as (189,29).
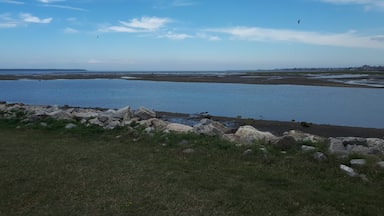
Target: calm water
(328,105)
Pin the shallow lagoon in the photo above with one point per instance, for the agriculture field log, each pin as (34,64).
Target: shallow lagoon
(326,105)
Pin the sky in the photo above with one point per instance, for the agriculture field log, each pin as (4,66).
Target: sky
(189,35)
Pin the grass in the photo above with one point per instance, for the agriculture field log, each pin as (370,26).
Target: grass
(90,171)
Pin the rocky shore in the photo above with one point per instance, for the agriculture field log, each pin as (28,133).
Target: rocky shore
(150,122)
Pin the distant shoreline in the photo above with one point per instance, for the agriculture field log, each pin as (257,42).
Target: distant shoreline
(363,79)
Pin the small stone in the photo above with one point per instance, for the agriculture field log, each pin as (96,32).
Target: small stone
(319,156)
(364,177)
(188,151)
(307,148)
(70,126)
(183,142)
(380,164)
(43,124)
(247,152)
(348,170)
(357,162)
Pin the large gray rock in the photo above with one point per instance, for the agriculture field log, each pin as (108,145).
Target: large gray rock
(336,146)
(300,136)
(84,114)
(285,143)
(144,113)
(376,145)
(96,121)
(347,145)
(180,128)
(124,113)
(60,114)
(248,133)
(210,128)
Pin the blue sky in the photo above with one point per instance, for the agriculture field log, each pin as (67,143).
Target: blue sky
(190,34)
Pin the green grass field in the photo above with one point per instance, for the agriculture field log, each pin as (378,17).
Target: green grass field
(89,171)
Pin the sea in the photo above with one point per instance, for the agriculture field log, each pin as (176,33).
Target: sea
(361,107)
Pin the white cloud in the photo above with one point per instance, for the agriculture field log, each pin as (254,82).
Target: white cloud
(11,2)
(70,30)
(144,24)
(28,18)
(368,4)
(347,39)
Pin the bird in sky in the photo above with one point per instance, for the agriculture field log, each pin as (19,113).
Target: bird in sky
(298,21)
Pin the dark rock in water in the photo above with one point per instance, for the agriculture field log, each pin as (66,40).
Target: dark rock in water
(285,143)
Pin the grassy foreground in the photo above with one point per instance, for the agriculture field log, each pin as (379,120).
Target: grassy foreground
(89,171)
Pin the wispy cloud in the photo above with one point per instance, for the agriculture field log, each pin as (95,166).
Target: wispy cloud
(368,4)
(28,18)
(208,37)
(144,24)
(175,36)
(8,25)
(65,7)
(162,4)
(182,3)
(50,1)
(8,21)
(11,2)
(70,30)
(346,39)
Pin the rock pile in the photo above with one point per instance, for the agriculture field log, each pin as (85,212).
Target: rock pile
(244,135)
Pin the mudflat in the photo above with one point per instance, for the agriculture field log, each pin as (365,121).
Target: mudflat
(348,79)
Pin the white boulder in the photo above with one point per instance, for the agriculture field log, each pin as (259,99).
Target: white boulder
(180,128)
(248,133)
